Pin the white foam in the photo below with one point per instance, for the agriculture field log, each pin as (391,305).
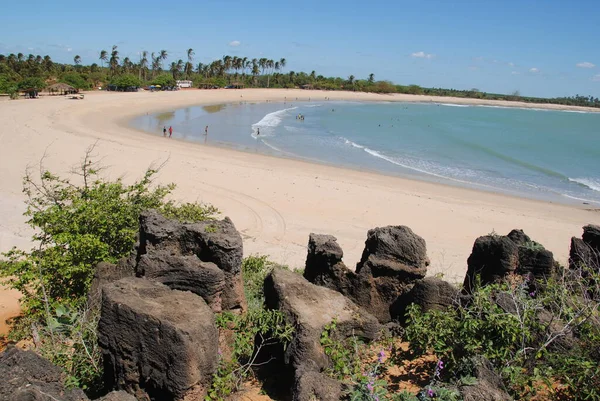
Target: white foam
(591,183)
(454,105)
(581,199)
(268,123)
(349,142)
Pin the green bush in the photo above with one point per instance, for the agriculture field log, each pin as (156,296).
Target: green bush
(163,80)
(76,80)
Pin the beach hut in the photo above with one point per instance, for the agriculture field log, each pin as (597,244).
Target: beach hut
(307,86)
(237,85)
(61,89)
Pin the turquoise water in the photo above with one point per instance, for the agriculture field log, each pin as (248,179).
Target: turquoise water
(550,155)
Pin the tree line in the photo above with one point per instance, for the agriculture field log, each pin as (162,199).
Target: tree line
(19,72)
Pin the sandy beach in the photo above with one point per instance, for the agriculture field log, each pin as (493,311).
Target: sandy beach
(274,202)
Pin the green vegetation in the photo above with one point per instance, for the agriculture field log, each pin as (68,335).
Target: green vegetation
(230,70)
(543,342)
(252,332)
(78,222)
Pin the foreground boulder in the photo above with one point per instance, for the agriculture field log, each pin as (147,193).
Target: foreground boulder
(156,342)
(311,385)
(26,376)
(585,252)
(394,258)
(204,258)
(310,308)
(493,258)
(105,273)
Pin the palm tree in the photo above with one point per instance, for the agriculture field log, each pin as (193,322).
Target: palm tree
(114,60)
(127,65)
(103,57)
(20,57)
(189,67)
(313,76)
(77,60)
(371,78)
(143,64)
(351,80)
(48,64)
(282,63)
(161,57)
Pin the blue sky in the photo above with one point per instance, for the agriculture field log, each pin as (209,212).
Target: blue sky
(540,48)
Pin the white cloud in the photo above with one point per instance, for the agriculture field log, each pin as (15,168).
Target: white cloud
(473,68)
(596,78)
(422,55)
(511,64)
(534,70)
(69,49)
(515,73)
(235,43)
(585,64)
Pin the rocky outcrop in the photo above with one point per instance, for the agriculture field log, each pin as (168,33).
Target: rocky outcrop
(185,273)
(519,237)
(204,258)
(25,376)
(156,342)
(493,258)
(394,258)
(394,251)
(311,385)
(431,293)
(585,252)
(310,308)
(489,386)
(105,273)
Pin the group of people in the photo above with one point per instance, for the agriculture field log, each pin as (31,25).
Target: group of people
(300,117)
(171,131)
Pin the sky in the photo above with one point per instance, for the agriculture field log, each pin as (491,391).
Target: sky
(540,48)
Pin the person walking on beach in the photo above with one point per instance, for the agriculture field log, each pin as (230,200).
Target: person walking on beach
(170,131)
(206,130)
(257,131)
(165,131)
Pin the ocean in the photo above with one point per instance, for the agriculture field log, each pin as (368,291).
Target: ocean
(533,153)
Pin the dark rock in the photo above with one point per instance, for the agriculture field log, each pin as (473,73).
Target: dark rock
(430,294)
(581,255)
(310,308)
(394,251)
(324,264)
(557,328)
(591,236)
(215,241)
(489,386)
(156,342)
(393,259)
(493,258)
(105,273)
(519,237)
(311,385)
(117,396)
(26,376)
(185,273)
(534,259)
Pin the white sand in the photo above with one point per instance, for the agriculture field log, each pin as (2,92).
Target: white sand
(274,202)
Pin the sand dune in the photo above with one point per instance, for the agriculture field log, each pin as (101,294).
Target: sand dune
(274,202)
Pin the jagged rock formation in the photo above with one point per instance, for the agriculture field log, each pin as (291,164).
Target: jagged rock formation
(157,343)
(310,308)
(494,257)
(204,258)
(431,293)
(26,376)
(394,258)
(586,251)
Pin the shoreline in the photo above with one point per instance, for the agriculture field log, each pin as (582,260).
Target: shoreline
(555,198)
(274,202)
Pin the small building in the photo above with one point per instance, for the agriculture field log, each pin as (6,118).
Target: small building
(307,86)
(185,84)
(61,89)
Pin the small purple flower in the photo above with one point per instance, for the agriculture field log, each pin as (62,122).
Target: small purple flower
(532,294)
(370,387)
(376,398)
(381,356)
(430,393)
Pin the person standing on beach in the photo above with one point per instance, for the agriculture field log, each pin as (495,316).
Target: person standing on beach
(165,131)
(206,130)
(170,131)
